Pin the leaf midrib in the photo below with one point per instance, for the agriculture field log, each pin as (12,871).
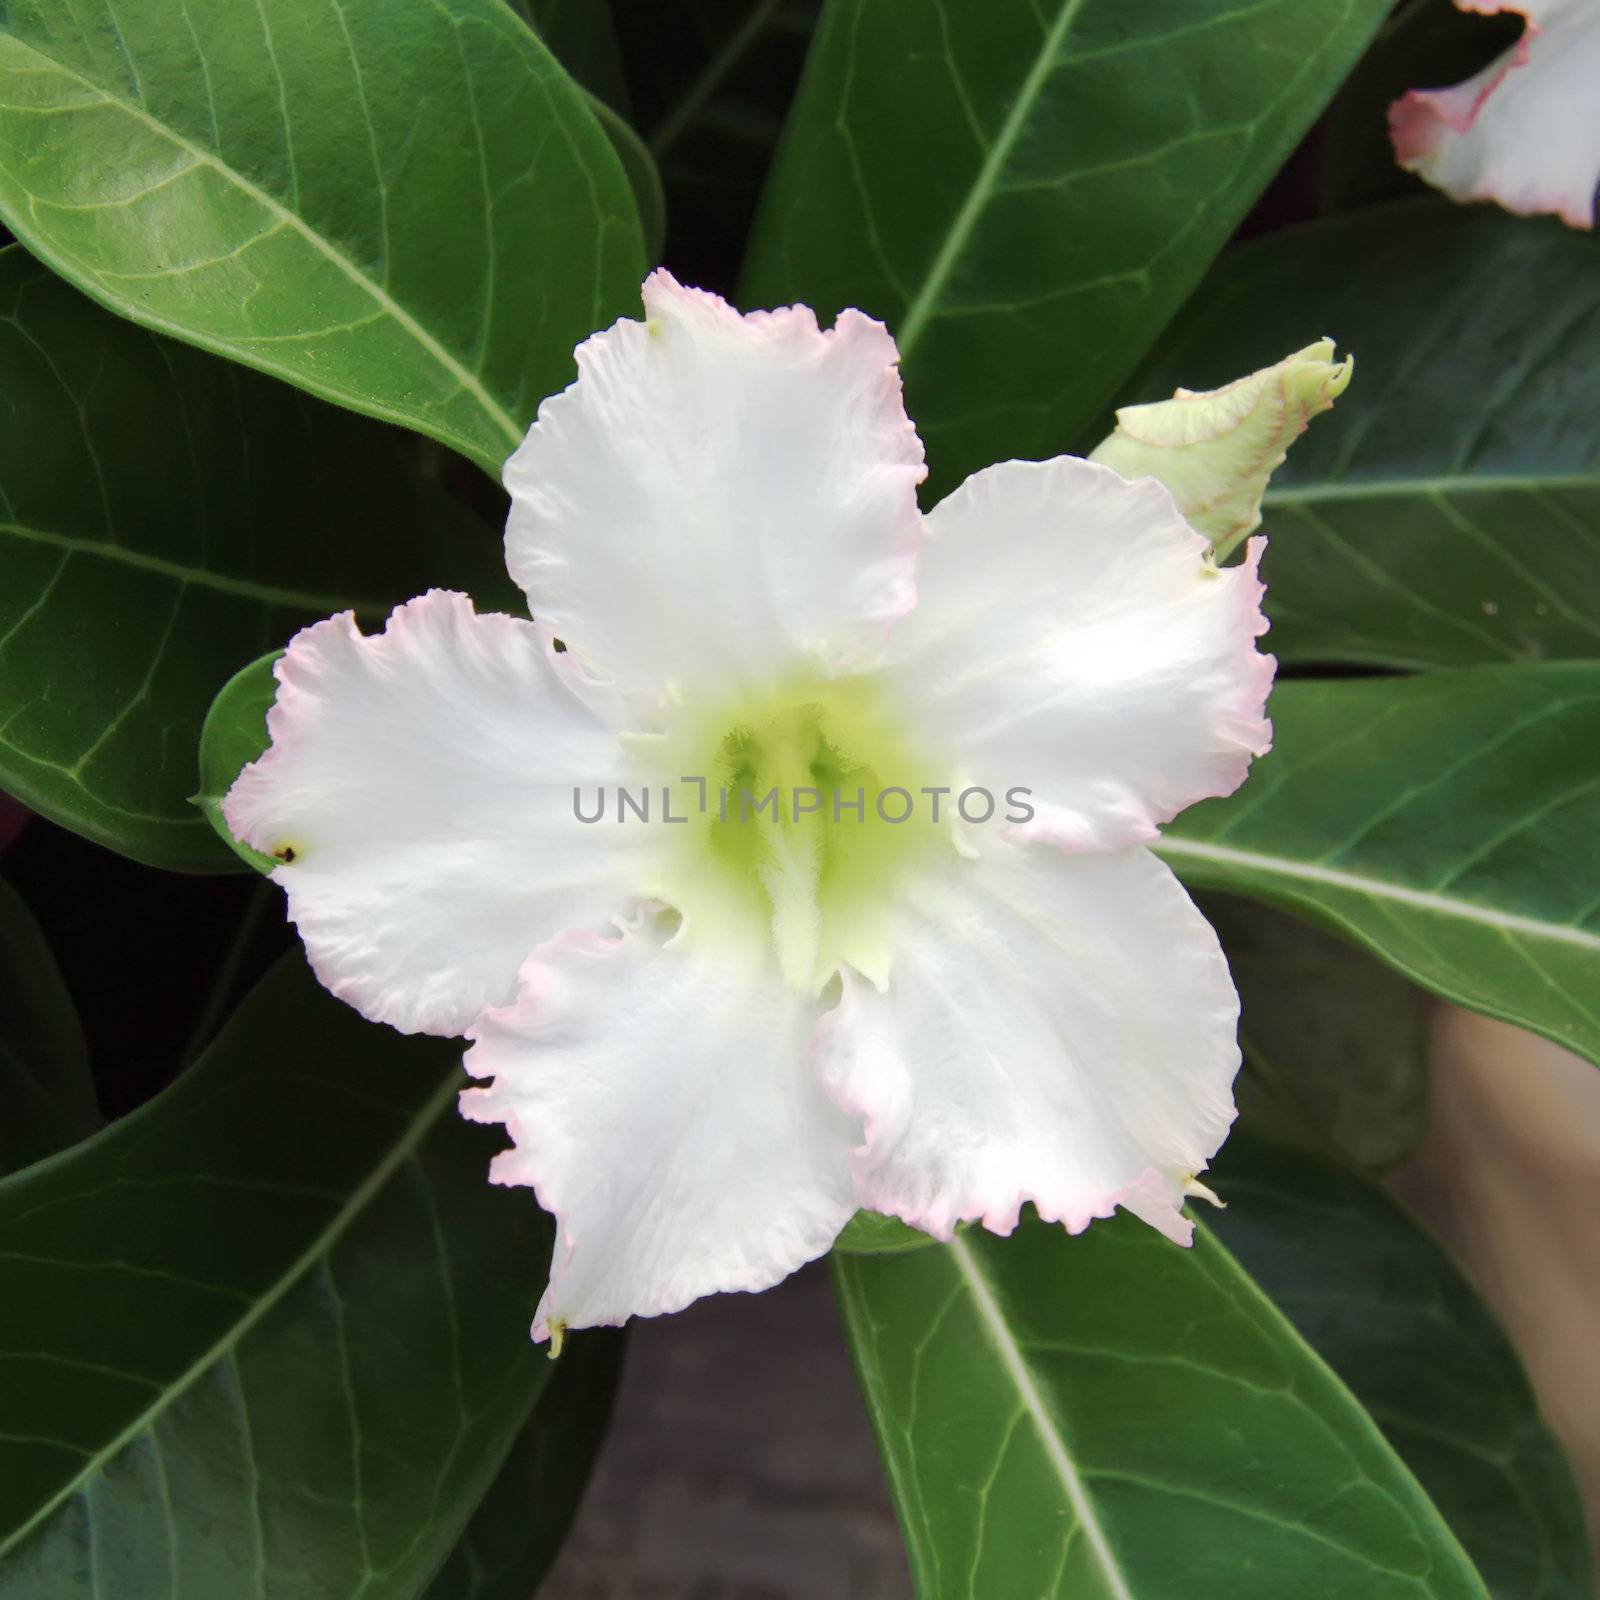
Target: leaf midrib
(1375,488)
(978,195)
(195,577)
(321,1246)
(1006,1347)
(1506,922)
(467,379)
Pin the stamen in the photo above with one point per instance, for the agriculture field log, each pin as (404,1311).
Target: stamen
(786,840)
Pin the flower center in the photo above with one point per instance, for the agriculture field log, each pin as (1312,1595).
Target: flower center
(804,807)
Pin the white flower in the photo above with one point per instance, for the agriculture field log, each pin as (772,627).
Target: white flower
(712,1040)
(1526,130)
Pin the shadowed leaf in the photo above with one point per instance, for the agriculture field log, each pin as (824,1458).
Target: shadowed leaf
(47,1099)
(268,1334)
(164,517)
(1391,1314)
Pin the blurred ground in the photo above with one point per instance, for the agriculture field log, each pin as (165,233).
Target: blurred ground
(1508,1177)
(740,1464)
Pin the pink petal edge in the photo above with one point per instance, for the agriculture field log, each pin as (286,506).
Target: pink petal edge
(1249,727)
(662,290)
(534,976)
(1419,119)
(1148,1197)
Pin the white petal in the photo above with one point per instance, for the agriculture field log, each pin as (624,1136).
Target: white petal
(419,788)
(661,1105)
(1071,638)
(718,496)
(1057,1028)
(1526,130)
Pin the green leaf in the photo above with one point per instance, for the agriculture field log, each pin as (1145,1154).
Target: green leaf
(234,735)
(401,205)
(164,517)
(1389,1312)
(46,1092)
(1113,1418)
(313,1355)
(581,36)
(518,1529)
(643,178)
(1026,193)
(1447,511)
(870,1233)
(1447,823)
(1333,1040)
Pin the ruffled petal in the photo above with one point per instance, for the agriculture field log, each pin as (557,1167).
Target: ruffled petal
(716,498)
(661,1106)
(1056,1028)
(419,791)
(1526,130)
(1070,638)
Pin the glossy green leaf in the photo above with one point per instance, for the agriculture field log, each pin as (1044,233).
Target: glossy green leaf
(1449,823)
(518,1529)
(1026,193)
(643,178)
(1391,1314)
(1333,1040)
(401,205)
(234,735)
(1447,511)
(870,1233)
(269,1334)
(47,1098)
(581,36)
(164,517)
(1113,1418)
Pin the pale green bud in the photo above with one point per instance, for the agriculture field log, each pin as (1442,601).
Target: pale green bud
(1216,450)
